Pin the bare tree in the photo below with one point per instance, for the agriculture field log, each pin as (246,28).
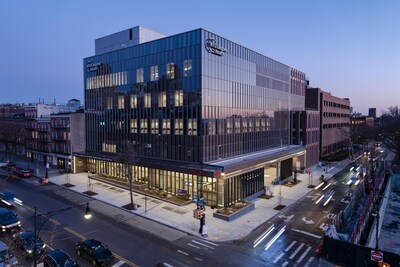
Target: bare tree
(129,159)
(389,130)
(12,134)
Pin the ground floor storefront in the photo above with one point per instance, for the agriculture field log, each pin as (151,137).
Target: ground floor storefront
(220,183)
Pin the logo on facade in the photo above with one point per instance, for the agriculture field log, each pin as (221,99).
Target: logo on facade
(212,47)
(90,66)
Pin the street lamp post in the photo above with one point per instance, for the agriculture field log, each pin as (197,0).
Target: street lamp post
(145,200)
(46,217)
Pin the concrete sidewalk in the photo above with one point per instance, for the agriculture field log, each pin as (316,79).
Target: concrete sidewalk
(164,216)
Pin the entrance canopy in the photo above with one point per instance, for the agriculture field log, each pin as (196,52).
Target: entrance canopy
(259,158)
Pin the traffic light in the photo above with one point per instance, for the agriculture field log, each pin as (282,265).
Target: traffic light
(385,264)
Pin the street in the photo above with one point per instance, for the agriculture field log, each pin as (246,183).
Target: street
(131,246)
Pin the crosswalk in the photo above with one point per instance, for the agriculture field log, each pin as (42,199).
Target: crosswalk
(295,254)
(203,245)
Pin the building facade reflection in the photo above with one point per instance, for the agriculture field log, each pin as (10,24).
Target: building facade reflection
(188,103)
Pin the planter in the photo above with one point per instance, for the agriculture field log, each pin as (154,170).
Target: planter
(139,186)
(235,214)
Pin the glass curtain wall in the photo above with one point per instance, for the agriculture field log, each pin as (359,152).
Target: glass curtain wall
(169,181)
(246,100)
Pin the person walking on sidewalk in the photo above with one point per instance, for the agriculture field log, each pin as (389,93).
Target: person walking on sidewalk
(202,223)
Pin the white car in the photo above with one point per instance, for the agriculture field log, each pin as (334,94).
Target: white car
(3,164)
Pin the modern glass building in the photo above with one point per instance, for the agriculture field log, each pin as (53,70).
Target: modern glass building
(192,112)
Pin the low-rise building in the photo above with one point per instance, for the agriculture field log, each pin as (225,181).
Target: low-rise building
(334,113)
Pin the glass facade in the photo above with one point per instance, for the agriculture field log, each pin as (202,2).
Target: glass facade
(192,97)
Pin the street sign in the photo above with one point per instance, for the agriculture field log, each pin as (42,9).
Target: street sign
(376,255)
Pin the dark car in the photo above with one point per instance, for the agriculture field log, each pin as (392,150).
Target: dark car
(25,241)
(94,251)
(8,198)
(9,220)
(58,258)
(23,172)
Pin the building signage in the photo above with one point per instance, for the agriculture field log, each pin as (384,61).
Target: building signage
(376,255)
(212,47)
(90,66)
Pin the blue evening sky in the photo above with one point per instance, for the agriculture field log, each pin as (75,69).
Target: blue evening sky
(350,48)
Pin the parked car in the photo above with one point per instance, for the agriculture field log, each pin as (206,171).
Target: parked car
(8,198)
(10,166)
(58,258)
(9,220)
(95,252)
(3,164)
(26,242)
(7,259)
(23,172)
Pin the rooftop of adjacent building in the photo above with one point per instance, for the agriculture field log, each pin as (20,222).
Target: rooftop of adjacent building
(126,38)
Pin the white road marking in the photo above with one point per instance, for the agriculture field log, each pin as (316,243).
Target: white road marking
(304,219)
(296,251)
(197,242)
(198,259)
(208,242)
(118,264)
(303,255)
(190,244)
(277,258)
(291,245)
(309,261)
(306,233)
(285,263)
(167,264)
(287,218)
(182,252)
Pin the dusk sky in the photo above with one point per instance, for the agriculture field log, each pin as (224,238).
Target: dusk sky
(350,48)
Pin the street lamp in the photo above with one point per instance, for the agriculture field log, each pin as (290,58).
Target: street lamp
(145,200)
(46,216)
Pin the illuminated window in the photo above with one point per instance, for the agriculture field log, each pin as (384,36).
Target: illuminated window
(166,126)
(178,98)
(237,125)
(143,126)
(133,101)
(211,127)
(121,102)
(139,76)
(109,100)
(187,68)
(154,126)
(134,128)
(170,71)
(251,125)
(244,125)
(154,73)
(109,147)
(178,126)
(229,126)
(162,99)
(263,123)
(147,100)
(192,127)
(120,125)
(257,125)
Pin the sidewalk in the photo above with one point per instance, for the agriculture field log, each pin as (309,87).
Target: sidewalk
(111,198)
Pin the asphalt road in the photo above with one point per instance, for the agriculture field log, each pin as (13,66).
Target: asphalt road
(131,246)
(296,233)
(300,228)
